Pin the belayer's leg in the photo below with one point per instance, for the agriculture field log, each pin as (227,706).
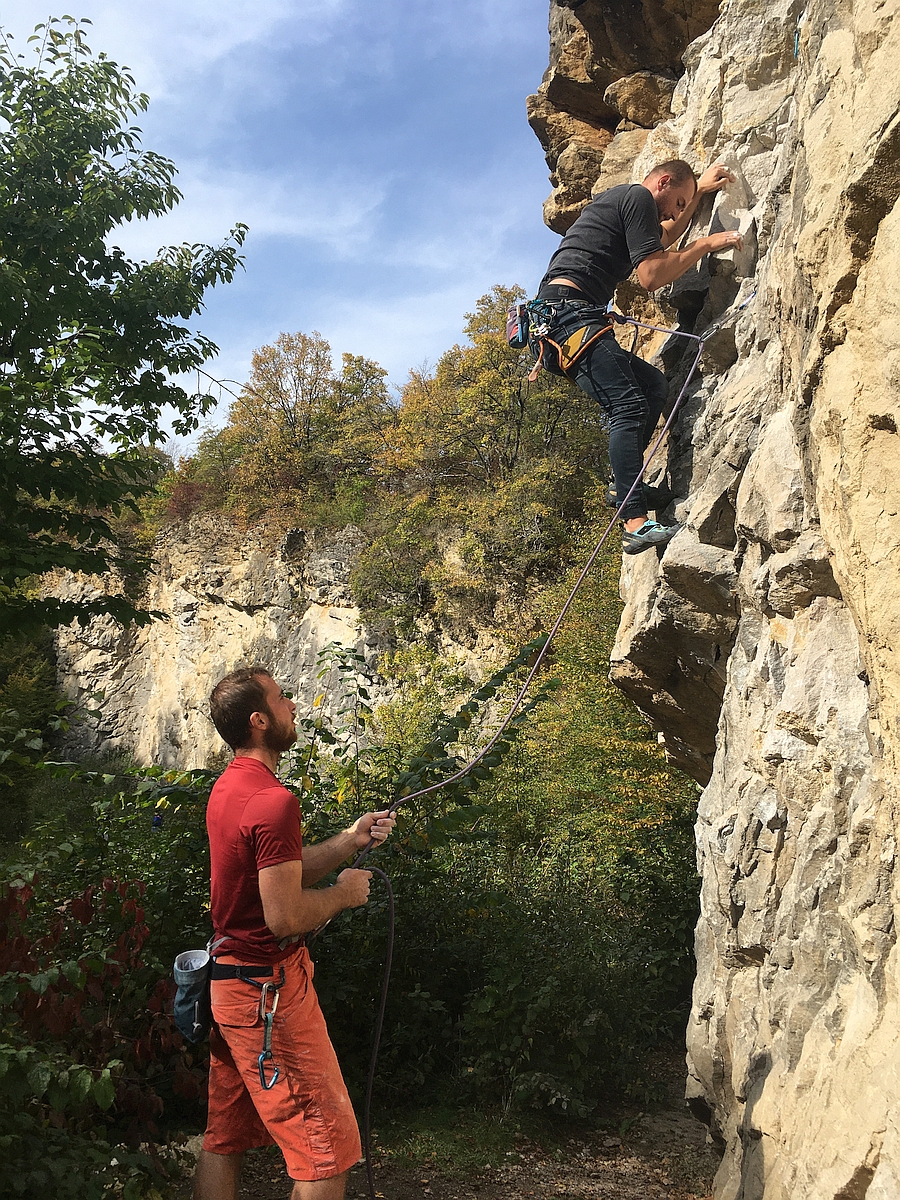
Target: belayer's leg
(320,1189)
(217,1176)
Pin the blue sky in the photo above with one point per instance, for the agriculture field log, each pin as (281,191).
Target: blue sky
(378,151)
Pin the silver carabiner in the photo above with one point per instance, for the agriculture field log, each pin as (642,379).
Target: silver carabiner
(264,991)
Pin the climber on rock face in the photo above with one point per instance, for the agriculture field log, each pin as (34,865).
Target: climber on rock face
(628,228)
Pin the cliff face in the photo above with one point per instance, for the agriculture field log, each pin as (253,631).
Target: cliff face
(763,643)
(233,601)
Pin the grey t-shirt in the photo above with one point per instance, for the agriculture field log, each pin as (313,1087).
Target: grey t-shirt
(612,235)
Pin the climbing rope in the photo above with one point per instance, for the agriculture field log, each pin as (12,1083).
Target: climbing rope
(700,340)
(619,318)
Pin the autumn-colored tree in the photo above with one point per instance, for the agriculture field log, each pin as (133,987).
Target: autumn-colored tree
(477,418)
(364,430)
(278,417)
(297,423)
(468,490)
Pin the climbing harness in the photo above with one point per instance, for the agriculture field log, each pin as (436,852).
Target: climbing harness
(559,357)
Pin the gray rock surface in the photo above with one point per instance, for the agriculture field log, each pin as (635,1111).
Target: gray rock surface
(763,642)
(233,602)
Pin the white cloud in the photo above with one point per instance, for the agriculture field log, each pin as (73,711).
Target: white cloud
(322,124)
(165,42)
(333,212)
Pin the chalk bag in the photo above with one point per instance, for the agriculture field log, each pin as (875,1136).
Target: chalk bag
(193,1013)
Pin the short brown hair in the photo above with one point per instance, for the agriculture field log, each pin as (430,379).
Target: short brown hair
(679,170)
(232,701)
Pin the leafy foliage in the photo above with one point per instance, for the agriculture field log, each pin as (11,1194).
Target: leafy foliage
(467,489)
(31,713)
(90,921)
(544,909)
(89,339)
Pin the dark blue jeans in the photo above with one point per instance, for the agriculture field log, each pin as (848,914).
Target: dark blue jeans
(633,394)
(630,391)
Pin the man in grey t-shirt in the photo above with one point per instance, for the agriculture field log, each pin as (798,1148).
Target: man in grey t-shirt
(628,228)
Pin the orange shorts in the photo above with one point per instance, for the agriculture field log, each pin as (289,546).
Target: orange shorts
(308,1112)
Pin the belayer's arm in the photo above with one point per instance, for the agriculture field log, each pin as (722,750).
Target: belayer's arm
(323,857)
(290,908)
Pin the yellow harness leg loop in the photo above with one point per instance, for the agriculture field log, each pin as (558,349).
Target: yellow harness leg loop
(572,348)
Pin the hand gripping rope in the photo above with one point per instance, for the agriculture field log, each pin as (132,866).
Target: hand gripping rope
(700,341)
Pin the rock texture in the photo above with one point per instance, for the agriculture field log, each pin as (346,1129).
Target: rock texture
(233,602)
(764,642)
(609,63)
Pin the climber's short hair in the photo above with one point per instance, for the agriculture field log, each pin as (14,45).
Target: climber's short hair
(678,169)
(234,699)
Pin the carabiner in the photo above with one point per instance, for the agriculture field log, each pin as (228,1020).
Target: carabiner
(261,1062)
(263,992)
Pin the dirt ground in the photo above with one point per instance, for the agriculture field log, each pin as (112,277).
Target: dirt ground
(660,1158)
(660,1154)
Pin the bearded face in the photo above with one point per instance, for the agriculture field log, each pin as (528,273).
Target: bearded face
(280,734)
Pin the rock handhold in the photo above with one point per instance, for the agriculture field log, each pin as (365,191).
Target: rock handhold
(644,97)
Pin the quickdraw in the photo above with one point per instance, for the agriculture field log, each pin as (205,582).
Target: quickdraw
(268,1018)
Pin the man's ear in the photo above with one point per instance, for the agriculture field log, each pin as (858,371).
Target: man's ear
(662,182)
(258,720)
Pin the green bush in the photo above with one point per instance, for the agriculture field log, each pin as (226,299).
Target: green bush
(545,904)
(92,917)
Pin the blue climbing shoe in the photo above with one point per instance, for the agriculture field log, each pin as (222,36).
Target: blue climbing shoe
(651,533)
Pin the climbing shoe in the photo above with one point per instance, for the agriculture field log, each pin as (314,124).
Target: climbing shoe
(655,498)
(651,533)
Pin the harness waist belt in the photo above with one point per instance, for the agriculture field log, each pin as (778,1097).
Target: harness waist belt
(240,971)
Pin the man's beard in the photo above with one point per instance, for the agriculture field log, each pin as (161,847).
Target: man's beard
(279,738)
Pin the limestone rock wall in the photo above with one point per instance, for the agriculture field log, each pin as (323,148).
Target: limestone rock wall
(613,68)
(232,601)
(764,642)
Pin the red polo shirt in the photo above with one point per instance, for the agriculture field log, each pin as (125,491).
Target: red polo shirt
(253,822)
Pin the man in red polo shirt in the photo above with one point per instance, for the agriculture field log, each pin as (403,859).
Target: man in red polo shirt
(274,1076)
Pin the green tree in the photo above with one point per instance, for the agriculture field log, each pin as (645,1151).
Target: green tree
(279,413)
(298,422)
(367,420)
(477,418)
(89,339)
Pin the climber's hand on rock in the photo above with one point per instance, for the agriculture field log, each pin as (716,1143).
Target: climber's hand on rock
(714,178)
(729,240)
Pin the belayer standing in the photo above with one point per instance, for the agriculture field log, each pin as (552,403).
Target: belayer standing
(624,229)
(273,1073)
